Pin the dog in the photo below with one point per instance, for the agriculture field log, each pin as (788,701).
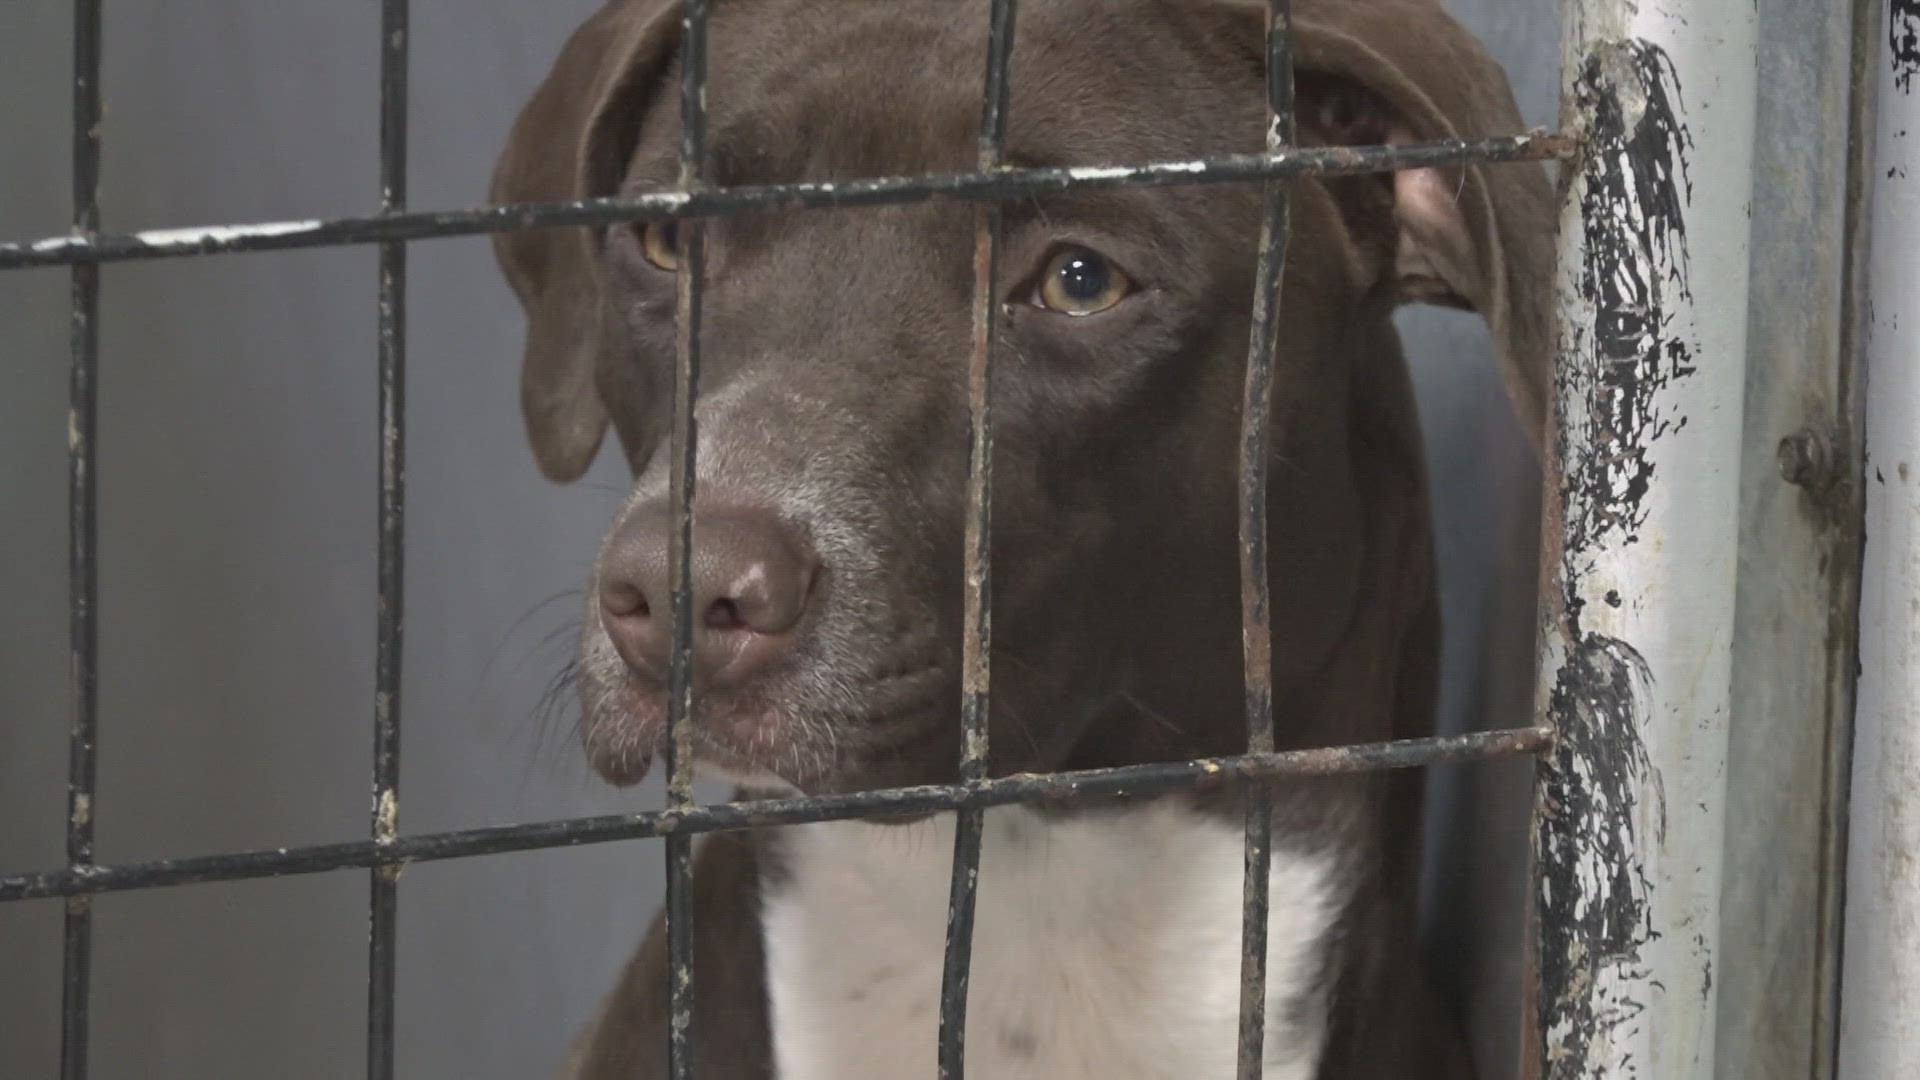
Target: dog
(829,521)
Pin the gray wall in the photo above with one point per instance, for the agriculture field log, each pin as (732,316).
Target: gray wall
(237,518)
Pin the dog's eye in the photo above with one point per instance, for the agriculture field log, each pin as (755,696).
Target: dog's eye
(660,243)
(1080,282)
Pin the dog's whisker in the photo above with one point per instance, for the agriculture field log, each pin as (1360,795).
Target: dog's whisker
(543,709)
(1019,721)
(520,623)
(569,629)
(606,486)
(561,692)
(1144,710)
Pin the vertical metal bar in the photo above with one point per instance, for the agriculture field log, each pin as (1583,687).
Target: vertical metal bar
(83,675)
(1880,995)
(1856,292)
(1256,627)
(392,344)
(1643,520)
(977,641)
(1795,644)
(684,438)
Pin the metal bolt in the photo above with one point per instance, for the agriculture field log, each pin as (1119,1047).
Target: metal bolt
(1803,459)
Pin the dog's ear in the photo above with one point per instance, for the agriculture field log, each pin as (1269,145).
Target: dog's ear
(1370,72)
(573,141)
(1478,236)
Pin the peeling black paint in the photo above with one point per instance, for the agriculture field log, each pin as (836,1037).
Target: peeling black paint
(1595,899)
(1637,187)
(1903,37)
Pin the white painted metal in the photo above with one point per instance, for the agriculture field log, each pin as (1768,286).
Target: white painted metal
(1880,993)
(1794,662)
(1651,439)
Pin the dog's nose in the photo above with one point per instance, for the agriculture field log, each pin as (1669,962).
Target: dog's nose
(752,579)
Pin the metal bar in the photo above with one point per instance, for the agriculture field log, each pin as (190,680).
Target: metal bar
(384,885)
(1880,994)
(1856,292)
(1796,633)
(684,439)
(1256,626)
(83,581)
(715,202)
(1065,788)
(1643,514)
(977,633)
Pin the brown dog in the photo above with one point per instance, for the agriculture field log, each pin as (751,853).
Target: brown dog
(832,461)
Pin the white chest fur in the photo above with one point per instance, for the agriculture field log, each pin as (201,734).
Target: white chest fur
(1106,945)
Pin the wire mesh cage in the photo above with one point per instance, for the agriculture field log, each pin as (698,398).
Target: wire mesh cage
(1580,784)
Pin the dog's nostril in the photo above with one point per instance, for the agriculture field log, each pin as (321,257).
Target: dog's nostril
(724,614)
(624,601)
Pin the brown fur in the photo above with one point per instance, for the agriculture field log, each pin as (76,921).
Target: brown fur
(834,389)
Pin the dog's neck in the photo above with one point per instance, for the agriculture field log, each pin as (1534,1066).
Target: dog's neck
(1107,944)
(1107,939)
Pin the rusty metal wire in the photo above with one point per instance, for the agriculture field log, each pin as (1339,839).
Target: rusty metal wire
(1256,618)
(976,647)
(684,442)
(1060,789)
(83,578)
(383,907)
(676,205)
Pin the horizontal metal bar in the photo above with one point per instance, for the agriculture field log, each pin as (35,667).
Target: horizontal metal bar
(678,205)
(1066,787)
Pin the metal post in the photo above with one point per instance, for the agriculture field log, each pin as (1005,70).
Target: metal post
(1880,984)
(1642,523)
(1796,627)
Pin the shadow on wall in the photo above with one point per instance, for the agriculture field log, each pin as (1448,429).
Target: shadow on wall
(237,512)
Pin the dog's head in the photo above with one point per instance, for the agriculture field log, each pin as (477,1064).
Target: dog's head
(832,424)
